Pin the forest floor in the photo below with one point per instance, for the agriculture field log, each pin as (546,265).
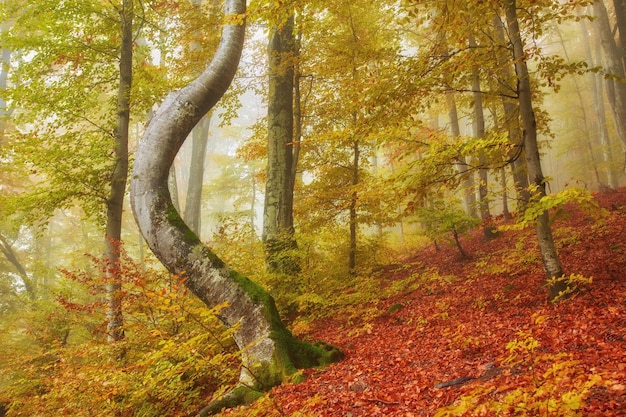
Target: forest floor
(481,328)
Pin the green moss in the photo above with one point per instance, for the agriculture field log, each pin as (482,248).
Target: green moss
(394,307)
(291,354)
(175,220)
(241,395)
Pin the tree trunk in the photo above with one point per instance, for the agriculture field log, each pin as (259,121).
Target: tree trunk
(278,231)
(591,160)
(115,202)
(467,178)
(353,208)
(616,88)
(519,171)
(550,258)
(193,201)
(597,89)
(489,230)
(269,351)
(620,17)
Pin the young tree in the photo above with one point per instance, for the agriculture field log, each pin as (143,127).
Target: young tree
(115,201)
(269,351)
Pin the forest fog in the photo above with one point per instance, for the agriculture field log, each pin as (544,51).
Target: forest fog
(184,181)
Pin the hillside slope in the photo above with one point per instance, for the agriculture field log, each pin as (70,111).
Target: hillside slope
(482,327)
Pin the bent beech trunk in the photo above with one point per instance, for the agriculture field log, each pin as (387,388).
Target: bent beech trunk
(269,351)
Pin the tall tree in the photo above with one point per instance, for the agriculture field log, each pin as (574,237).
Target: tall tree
(615,72)
(550,258)
(278,227)
(269,351)
(115,202)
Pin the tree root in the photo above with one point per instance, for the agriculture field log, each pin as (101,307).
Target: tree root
(240,395)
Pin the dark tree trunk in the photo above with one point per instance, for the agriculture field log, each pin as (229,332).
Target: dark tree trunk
(115,202)
(278,230)
(519,171)
(550,258)
(269,351)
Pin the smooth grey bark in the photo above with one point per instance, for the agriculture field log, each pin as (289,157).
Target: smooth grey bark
(278,230)
(467,179)
(507,77)
(615,85)
(193,200)
(597,84)
(551,262)
(269,351)
(489,230)
(115,201)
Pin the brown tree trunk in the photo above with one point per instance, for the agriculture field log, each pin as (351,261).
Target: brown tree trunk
(115,202)
(519,171)
(550,258)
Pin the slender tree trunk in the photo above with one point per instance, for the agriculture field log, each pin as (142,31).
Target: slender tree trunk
(467,178)
(620,16)
(616,88)
(193,201)
(597,88)
(591,160)
(278,230)
(269,351)
(519,171)
(551,262)
(353,208)
(489,230)
(115,202)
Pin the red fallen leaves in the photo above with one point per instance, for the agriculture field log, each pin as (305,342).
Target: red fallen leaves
(461,329)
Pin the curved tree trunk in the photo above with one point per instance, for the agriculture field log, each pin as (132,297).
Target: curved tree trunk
(550,258)
(269,350)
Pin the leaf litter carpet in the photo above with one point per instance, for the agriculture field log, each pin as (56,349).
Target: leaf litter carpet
(438,339)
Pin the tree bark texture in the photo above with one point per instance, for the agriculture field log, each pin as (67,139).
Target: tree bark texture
(550,258)
(269,351)
(278,230)
(115,202)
